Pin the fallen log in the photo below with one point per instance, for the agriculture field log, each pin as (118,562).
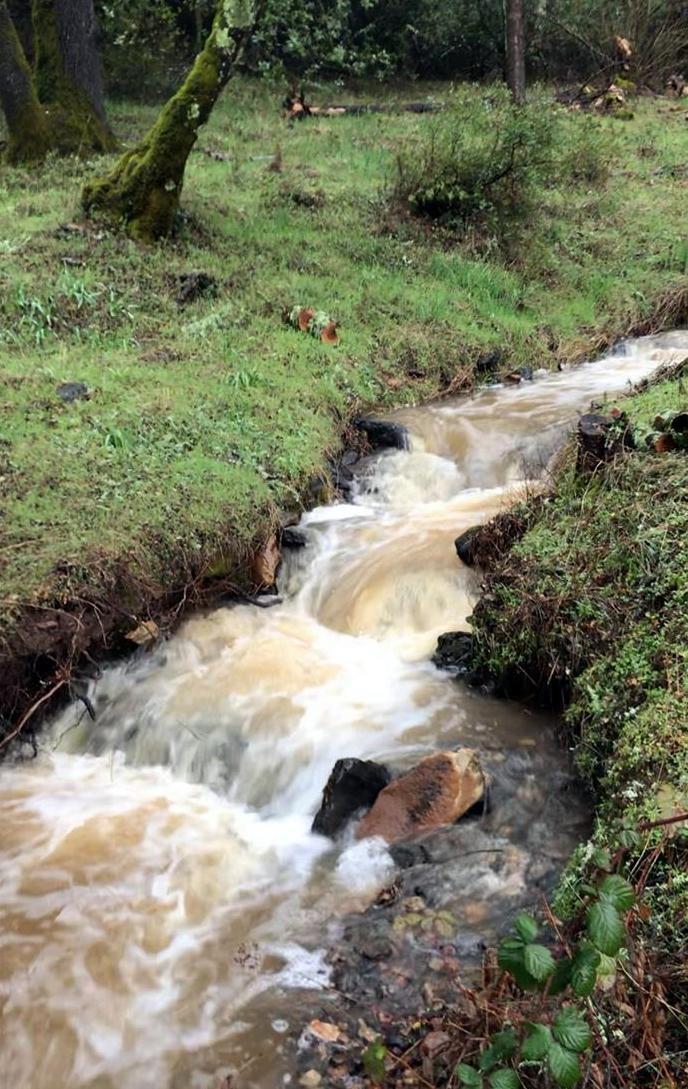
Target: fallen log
(298,109)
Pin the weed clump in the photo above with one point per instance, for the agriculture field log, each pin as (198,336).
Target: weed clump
(488,161)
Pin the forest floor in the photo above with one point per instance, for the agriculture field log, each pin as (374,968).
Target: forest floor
(205,421)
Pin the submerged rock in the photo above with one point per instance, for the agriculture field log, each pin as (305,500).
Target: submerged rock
(383,434)
(466,545)
(439,790)
(293,538)
(353,785)
(454,652)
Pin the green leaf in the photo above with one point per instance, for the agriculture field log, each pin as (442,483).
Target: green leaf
(618,891)
(584,970)
(539,962)
(571,1029)
(526,928)
(561,977)
(504,1043)
(469,1076)
(374,1061)
(602,858)
(563,1066)
(537,1043)
(504,1079)
(510,959)
(605,927)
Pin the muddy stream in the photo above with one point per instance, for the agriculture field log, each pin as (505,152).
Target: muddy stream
(164,906)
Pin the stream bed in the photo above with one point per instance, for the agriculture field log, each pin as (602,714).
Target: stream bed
(167,916)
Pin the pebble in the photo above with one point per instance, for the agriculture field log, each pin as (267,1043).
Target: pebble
(310,1080)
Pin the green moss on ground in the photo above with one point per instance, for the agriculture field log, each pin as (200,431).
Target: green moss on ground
(592,606)
(203,421)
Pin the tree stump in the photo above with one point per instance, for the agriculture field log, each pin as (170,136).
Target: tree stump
(601,439)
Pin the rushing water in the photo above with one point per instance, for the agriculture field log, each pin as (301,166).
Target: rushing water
(158,872)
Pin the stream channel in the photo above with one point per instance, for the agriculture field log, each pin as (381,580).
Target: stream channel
(164,905)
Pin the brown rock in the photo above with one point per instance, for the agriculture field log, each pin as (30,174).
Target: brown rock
(439,790)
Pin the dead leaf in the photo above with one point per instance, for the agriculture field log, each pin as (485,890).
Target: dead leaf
(324,1030)
(329,334)
(306,315)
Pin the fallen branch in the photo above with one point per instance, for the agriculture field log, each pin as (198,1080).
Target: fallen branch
(31,711)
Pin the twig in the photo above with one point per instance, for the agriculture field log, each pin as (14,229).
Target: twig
(34,707)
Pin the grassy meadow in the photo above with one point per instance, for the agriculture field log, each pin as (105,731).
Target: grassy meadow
(205,421)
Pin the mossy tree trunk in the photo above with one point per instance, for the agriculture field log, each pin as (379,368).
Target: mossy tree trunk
(29,132)
(20,14)
(68,75)
(144,189)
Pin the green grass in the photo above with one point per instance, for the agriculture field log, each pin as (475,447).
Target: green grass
(205,421)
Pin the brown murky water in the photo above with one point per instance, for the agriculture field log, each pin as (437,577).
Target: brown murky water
(158,877)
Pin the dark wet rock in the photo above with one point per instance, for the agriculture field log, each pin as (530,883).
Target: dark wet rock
(489,361)
(406,855)
(319,489)
(349,458)
(454,652)
(73,391)
(353,785)
(527,373)
(383,434)
(293,538)
(466,545)
(437,791)
(192,285)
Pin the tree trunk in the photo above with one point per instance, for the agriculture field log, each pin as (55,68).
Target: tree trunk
(29,134)
(68,75)
(144,189)
(515,51)
(20,14)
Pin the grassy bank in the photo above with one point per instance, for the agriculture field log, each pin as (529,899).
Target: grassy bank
(205,421)
(591,606)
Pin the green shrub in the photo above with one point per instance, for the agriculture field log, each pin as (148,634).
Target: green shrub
(487,160)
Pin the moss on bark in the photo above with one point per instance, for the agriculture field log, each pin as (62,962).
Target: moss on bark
(68,78)
(144,189)
(29,132)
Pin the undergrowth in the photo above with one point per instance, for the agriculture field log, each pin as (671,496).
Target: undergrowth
(590,609)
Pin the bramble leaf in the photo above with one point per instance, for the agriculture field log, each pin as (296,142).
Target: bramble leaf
(561,976)
(469,1076)
(605,927)
(526,928)
(584,971)
(618,891)
(504,1079)
(537,1043)
(563,1066)
(510,958)
(571,1029)
(538,961)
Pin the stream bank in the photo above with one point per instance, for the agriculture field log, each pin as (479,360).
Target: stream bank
(587,609)
(182,813)
(82,617)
